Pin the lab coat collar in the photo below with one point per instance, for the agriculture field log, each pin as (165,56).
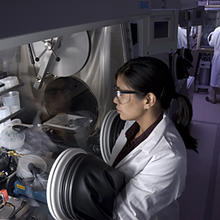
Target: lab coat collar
(147,145)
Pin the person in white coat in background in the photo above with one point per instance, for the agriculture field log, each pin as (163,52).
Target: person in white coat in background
(214,41)
(150,150)
(181,38)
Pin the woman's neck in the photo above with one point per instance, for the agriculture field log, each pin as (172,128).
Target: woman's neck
(148,119)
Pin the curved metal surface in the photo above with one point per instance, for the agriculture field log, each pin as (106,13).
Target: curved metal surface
(67,58)
(73,52)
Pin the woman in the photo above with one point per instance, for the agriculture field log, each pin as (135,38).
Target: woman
(150,150)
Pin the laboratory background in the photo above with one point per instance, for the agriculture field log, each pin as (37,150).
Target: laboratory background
(57,76)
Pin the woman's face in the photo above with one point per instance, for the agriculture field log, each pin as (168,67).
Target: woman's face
(130,107)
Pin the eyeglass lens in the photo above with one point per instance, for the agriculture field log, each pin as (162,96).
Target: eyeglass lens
(122,97)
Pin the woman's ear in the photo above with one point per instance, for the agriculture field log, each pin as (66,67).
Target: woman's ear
(150,100)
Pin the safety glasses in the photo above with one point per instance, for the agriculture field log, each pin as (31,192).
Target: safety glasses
(123,96)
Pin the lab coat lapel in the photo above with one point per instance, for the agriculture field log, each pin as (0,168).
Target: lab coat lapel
(120,142)
(144,149)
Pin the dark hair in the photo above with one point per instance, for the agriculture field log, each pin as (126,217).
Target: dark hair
(149,74)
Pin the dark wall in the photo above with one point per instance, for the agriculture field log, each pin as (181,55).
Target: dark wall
(28,16)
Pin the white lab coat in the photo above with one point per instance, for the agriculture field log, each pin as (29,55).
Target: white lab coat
(155,173)
(214,41)
(182,38)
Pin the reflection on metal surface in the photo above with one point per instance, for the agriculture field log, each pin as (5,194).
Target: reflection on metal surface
(62,56)
(99,72)
(73,52)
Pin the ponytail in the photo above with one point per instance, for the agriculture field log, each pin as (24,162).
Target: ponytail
(182,118)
